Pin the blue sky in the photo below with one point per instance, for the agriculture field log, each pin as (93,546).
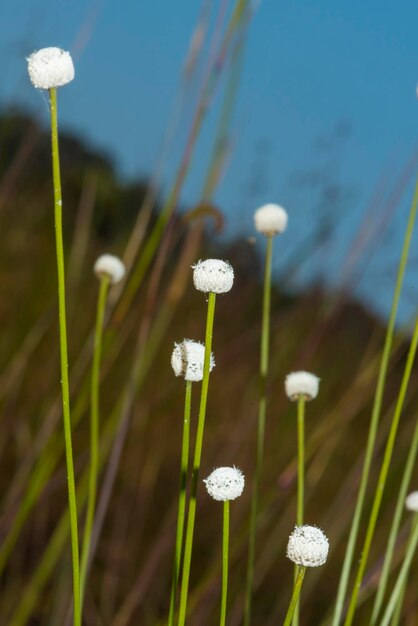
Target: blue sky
(311,69)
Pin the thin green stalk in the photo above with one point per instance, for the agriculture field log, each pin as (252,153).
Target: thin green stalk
(196,462)
(64,356)
(225,556)
(301,481)
(382,478)
(184,465)
(264,360)
(374,421)
(396,619)
(400,504)
(94,432)
(403,574)
(301,460)
(295,595)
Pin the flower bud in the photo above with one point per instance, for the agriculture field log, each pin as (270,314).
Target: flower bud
(301,384)
(188,358)
(213,275)
(307,546)
(110,266)
(225,483)
(50,67)
(270,219)
(411,502)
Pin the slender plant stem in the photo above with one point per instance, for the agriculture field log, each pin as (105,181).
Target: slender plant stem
(301,481)
(396,619)
(188,545)
(225,555)
(264,360)
(72,502)
(400,504)
(382,478)
(403,574)
(182,499)
(94,432)
(295,595)
(374,421)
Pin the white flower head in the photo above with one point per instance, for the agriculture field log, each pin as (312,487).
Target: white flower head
(308,546)
(188,358)
(411,502)
(50,67)
(110,266)
(213,275)
(225,483)
(299,384)
(270,219)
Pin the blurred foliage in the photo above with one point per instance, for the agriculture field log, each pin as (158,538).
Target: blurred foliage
(329,334)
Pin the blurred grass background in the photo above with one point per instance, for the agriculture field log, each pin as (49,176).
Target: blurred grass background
(325,332)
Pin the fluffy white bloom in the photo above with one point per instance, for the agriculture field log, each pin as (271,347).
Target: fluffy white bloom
(225,483)
(213,275)
(270,219)
(308,546)
(50,67)
(411,502)
(187,360)
(301,384)
(111,266)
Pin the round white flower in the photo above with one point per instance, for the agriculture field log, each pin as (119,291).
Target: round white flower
(110,266)
(225,483)
(299,384)
(411,502)
(270,219)
(50,67)
(213,275)
(308,546)
(188,358)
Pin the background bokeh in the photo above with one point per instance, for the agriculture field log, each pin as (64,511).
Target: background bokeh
(311,106)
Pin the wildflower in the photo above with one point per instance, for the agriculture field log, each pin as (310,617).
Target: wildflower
(270,219)
(411,502)
(299,384)
(187,360)
(213,275)
(110,266)
(308,546)
(225,483)
(50,67)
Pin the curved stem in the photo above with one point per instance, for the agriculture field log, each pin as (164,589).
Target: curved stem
(94,432)
(400,504)
(382,478)
(182,499)
(295,595)
(374,421)
(188,545)
(72,502)
(398,589)
(264,359)
(225,551)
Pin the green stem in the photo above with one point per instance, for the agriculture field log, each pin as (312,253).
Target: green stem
(382,478)
(225,551)
(182,499)
(301,480)
(94,432)
(264,359)
(396,619)
(374,421)
(188,545)
(400,504)
(64,356)
(403,574)
(295,595)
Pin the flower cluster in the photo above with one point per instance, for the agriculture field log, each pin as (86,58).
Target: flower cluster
(225,483)
(187,360)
